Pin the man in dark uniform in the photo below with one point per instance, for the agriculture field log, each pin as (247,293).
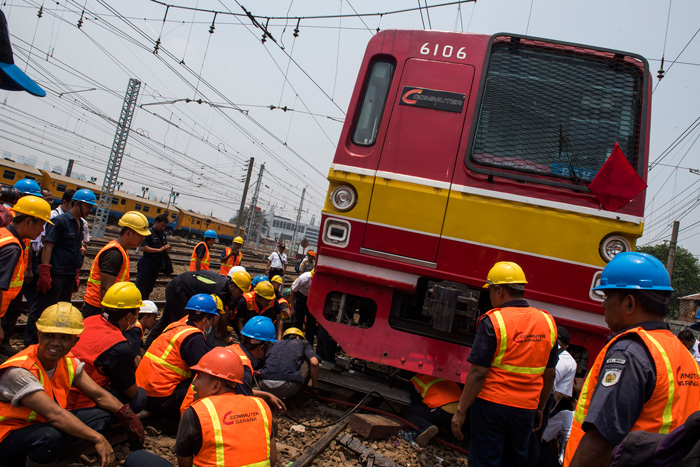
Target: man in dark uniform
(188,284)
(155,258)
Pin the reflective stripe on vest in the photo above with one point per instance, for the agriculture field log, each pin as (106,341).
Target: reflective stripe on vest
(16,418)
(671,402)
(234,260)
(98,337)
(525,337)
(253,305)
(93,290)
(436,392)
(17,278)
(229,440)
(163,367)
(204,262)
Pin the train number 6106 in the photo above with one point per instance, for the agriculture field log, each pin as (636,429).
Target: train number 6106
(447,51)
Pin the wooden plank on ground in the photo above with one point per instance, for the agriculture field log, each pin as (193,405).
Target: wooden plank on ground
(373,426)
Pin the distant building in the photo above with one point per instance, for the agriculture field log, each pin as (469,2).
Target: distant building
(282,230)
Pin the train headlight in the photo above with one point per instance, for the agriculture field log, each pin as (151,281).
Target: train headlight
(613,245)
(343,198)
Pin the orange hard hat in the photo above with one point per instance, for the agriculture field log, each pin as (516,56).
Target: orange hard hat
(311,253)
(221,363)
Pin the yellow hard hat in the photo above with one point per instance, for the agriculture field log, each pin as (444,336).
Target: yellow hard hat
(242,280)
(136,221)
(122,296)
(505,272)
(61,318)
(219,304)
(33,206)
(293,331)
(238,240)
(277,279)
(265,290)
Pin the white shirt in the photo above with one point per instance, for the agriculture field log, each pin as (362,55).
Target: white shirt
(559,426)
(86,230)
(277,259)
(302,284)
(565,373)
(695,351)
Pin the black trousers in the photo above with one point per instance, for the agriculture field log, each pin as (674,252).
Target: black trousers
(169,406)
(326,346)
(89,310)
(42,443)
(16,307)
(146,275)
(61,291)
(301,312)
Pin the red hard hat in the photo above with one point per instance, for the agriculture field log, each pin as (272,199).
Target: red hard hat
(221,363)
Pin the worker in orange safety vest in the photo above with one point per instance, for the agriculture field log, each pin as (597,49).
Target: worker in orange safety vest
(433,403)
(231,257)
(111,264)
(200,254)
(644,379)
(513,362)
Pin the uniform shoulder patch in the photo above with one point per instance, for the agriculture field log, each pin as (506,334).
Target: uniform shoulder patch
(619,361)
(611,377)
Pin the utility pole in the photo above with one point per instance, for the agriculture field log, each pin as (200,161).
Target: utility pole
(115,158)
(254,202)
(296,225)
(672,248)
(69,169)
(241,210)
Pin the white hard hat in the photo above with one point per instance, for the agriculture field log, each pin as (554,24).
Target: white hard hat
(235,269)
(149,307)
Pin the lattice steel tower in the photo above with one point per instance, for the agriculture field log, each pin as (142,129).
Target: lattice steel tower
(115,158)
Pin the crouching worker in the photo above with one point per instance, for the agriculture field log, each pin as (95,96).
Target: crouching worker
(220,427)
(289,364)
(164,371)
(35,426)
(107,355)
(433,403)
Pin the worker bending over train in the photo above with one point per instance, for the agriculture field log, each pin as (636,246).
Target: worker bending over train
(200,255)
(108,357)
(164,371)
(221,427)
(511,375)
(433,403)
(179,290)
(35,426)
(259,302)
(112,262)
(644,379)
(231,257)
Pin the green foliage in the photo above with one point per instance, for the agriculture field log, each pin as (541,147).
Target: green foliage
(686,273)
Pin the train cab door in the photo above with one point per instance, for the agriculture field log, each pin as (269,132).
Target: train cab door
(415,170)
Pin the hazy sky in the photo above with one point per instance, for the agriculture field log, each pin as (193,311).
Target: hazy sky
(201,149)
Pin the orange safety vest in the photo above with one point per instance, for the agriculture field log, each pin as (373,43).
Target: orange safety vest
(234,260)
(235,348)
(56,387)
(285,312)
(236,431)
(204,263)
(7,238)
(98,337)
(253,305)
(524,339)
(93,290)
(676,393)
(436,392)
(162,367)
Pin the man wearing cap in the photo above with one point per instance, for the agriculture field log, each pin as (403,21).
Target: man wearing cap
(512,370)
(108,357)
(164,371)
(35,426)
(307,264)
(111,264)
(277,262)
(147,317)
(231,257)
(259,302)
(200,255)
(179,290)
(31,214)
(60,259)
(155,257)
(644,379)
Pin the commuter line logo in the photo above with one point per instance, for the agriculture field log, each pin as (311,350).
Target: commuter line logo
(432,99)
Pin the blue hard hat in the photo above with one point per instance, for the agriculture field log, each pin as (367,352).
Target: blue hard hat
(634,270)
(85,196)
(261,328)
(210,234)
(28,186)
(202,302)
(259,278)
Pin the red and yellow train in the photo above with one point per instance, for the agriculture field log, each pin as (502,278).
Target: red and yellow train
(461,150)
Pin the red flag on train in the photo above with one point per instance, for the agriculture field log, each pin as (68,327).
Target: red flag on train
(617,182)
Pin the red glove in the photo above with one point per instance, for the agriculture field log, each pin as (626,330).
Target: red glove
(131,422)
(77,282)
(44,283)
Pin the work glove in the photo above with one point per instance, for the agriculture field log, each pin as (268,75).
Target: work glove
(43,285)
(133,425)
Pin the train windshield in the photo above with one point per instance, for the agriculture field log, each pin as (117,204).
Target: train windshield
(373,102)
(556,111)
